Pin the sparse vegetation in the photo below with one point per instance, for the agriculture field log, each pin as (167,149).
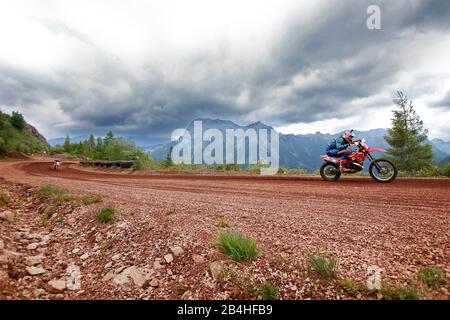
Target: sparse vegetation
(242,286)
(44,219)
(51,190)
(286,171)
(268,291)
(105,215)
(238,246)
(322,265)
(107,244)
(350,286)
(228,167)
(179,288)
(283,262)
(399,292)
(88,200)
(222,223)
(58,194)
(432,276)
(256,168)
(442,170)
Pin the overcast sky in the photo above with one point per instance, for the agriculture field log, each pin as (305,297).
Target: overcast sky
(144,68)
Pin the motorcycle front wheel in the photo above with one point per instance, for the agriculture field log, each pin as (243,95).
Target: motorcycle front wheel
(330,171)
(382,170)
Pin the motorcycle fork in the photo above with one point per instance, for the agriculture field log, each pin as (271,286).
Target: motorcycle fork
(371,160)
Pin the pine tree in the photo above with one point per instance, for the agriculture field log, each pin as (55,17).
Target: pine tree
(408,138)
(67,145)
(90,145)
(109,137)
(168,162)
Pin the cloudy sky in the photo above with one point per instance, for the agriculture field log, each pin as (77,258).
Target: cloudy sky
(144,68)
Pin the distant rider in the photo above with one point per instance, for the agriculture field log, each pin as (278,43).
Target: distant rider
(340,147)
(56,165)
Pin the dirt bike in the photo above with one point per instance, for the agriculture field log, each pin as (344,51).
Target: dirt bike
(382,170)
(56,165)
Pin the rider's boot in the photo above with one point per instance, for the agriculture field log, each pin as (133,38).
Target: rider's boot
(343,166)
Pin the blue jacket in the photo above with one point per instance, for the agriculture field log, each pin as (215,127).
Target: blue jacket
(339,143)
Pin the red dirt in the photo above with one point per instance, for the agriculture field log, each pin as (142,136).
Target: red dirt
(400,227)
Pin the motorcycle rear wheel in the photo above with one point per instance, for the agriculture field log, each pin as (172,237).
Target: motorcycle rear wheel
(387,173)
(330,171)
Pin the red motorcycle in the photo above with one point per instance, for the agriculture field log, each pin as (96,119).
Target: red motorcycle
(382,170)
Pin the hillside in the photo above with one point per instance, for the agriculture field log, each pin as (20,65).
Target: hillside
(28,140)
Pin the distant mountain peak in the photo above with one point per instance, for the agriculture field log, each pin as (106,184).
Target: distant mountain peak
(259,125)
(226,124)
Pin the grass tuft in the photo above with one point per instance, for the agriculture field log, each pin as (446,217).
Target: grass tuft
(432,276)
(268,291)
(238,246)
(58,194)
(50,190)
(399,292)
(350,286)
(88,200)
(105,215)
(324,266)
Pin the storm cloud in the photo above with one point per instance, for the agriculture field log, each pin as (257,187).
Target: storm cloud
(308,65)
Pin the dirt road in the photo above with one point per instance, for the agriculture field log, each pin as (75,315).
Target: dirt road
(399,227)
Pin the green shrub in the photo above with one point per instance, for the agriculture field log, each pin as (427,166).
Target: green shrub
(256,168)
(282,170)
(58,194)
(17,120)
(2,145)
(399,292)
(238,246)
(322,265)
(268,291)
(430,171)
(144,163)
(298,171)
(445,170)
(432,276)
(88,200)
(232,167)
(105,215)
(51,190)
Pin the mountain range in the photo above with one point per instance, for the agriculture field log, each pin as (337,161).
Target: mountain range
(300,150)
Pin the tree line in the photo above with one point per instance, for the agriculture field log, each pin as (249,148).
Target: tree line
(108,148)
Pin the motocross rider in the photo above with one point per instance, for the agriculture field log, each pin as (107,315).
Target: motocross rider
(340,147)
